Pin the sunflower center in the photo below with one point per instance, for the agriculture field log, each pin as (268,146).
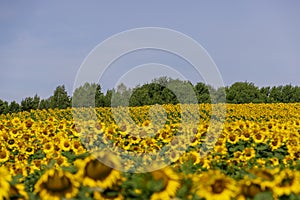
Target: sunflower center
(248,153)
(258,136)
(218,186)
(286,182)
(232,138)
(11,141)
(97,171)
(246,135)
(251,190)
(66,144)
(2,154)
(274,143)
(56,183)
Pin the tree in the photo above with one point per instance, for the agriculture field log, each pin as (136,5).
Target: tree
(121,96)
(107,98)
(30,103)
(14,107)
(276,94)
(60,98)
(44,104)
(3,107)
(265,94)
(87,95)
(202,93)
(243,92)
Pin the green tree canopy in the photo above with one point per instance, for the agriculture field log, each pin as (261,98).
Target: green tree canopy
(60,98)
(87,95)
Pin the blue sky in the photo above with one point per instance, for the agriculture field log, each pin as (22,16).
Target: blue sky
(42,44)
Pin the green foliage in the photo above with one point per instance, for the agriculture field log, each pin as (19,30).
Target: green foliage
(3,107)
(60,98)
(243,92)
(30,103)
(87,95)
(14,107)
(163,90)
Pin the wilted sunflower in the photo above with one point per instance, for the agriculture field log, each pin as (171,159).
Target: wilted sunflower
(5,178)
(213,185)
(56,184)
(94,173)
(170,181)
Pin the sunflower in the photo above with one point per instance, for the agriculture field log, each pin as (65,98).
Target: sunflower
(213,185)
(76,146)
(232,138)
(18,192)
(65,144)
(146,123)
(5,178)
(274,161)
(56,184)
(170,181)
(29,151)
(287,182)
(173,155)
(221,149)
(61,161)
(94,173)
(12,143)
(249,153)
(190,156)
(264,177)
(245,135)
(259,137)
(48,148)
(16,121)
(4,155)
(248,189)
(275,143)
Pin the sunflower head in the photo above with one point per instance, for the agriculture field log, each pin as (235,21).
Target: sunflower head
(215,185)
(57,184)
(5,178)
(170,183)
(94,173)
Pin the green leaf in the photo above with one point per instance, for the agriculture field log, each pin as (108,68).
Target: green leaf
(263,196)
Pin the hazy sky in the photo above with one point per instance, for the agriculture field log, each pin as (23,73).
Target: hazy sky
(42,45)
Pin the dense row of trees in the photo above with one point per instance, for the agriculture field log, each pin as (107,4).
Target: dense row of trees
(160,91)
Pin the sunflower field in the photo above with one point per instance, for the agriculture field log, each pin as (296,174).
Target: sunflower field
(44,154)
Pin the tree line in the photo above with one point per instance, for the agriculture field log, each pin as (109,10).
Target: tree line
(160,91)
